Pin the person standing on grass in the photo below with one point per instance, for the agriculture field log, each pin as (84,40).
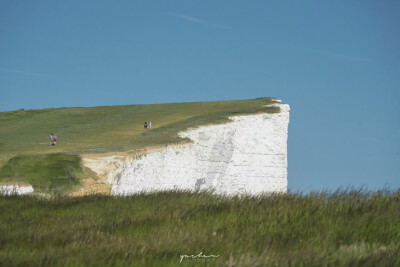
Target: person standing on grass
(150,125)
(55,139)
(145,125)
(51,139)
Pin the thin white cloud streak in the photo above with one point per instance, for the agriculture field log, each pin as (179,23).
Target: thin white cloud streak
(347,57)
(197,20)
(7,70)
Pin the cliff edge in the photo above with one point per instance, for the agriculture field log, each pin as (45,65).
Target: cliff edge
(247,155)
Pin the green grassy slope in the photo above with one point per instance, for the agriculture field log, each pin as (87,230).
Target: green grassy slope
(114,128)
(343,229)
(46,173)
(24,135)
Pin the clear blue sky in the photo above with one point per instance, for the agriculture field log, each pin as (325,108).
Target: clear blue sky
(337,63)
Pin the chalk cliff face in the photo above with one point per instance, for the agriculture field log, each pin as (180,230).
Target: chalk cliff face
(247,155)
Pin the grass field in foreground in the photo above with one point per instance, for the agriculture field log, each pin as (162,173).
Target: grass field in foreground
(353,228)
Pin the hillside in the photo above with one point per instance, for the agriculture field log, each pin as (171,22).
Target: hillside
(24,134)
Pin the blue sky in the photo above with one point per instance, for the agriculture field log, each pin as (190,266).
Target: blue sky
(337,63)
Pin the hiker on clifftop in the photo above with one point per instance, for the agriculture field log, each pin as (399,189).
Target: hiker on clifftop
(55,139)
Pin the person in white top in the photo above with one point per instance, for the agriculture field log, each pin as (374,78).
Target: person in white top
(150,125)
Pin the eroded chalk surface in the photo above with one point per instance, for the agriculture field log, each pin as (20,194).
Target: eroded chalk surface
(16,189)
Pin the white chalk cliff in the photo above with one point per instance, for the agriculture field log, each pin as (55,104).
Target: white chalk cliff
(246,155)
(11,189)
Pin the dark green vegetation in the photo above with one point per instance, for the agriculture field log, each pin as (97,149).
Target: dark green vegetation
(353,228)
(25,134)
(52,173)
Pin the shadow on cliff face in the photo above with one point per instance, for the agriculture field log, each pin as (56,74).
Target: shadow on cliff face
(222,152)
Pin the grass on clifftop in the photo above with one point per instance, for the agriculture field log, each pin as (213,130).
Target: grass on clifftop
(353,228)
(112,128)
